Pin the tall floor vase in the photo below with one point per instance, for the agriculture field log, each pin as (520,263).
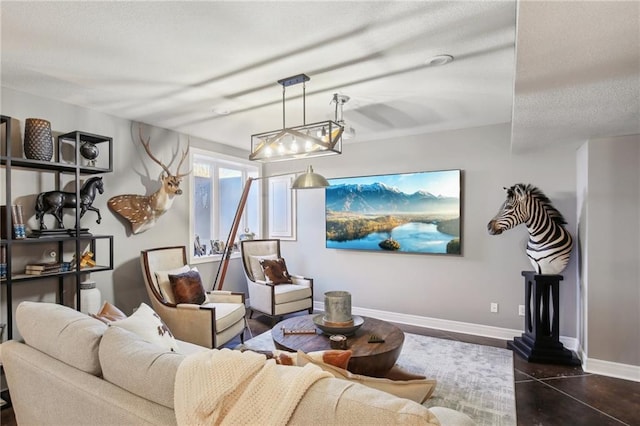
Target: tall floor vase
(38,140)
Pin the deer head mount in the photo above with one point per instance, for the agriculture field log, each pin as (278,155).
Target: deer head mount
(142,211)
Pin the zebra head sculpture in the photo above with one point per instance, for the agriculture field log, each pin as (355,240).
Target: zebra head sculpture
(549,246)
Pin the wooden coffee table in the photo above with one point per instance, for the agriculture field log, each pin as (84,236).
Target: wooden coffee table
(370,359)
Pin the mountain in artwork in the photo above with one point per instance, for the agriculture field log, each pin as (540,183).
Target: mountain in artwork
(383,199)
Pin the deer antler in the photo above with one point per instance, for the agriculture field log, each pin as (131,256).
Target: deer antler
(184,155)
(146,148)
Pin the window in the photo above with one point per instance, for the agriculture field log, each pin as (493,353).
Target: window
(282,207)
(217,182)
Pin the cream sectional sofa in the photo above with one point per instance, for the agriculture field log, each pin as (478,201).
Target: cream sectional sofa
(73,369)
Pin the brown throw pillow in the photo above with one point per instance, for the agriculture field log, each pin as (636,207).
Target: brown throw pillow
(275,271)
(109,313)
(187,288)
(338,358)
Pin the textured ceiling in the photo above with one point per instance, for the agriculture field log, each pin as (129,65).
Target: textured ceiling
(577,72)
(210,69)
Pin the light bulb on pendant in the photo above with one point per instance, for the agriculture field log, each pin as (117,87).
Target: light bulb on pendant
(294,145)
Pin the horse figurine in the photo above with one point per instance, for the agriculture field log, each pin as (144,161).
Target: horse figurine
(53,202)
(549,246)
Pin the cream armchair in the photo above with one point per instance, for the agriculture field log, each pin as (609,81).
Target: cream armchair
(218,320)
(269,299)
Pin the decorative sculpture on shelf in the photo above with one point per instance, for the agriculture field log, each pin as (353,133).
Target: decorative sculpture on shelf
(549,246)
(53,202)
(90,151)
(86,260)
(142,211)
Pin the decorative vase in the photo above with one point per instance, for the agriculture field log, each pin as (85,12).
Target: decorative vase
(38,140)
(90,297)
(337,308)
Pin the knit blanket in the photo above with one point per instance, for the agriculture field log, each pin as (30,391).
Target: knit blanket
(225,387)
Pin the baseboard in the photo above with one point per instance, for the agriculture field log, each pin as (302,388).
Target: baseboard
(611,369)
(435,323)
(570,343)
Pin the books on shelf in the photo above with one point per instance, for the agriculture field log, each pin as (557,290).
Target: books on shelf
(17,217)
(3,261)
(17,222)
(3,222)
(42,268)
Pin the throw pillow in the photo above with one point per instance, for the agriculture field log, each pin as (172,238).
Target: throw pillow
(147,324)
(109,313)
(418,390)
(256,269)
(164,285)
(335,357)
(187,288)
(275,271)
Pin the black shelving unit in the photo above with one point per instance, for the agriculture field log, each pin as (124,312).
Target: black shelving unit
(60,166)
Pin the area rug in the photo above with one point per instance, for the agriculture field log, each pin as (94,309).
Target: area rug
(474,379)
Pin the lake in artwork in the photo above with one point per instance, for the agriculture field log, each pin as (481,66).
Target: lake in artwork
(412,237)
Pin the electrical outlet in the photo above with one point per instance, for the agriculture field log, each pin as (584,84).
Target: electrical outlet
(521,310)
(494,307)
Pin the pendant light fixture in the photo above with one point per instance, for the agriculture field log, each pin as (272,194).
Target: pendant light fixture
(291,143)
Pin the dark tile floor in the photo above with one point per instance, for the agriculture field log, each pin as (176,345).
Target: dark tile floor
(549,395)
(546,395)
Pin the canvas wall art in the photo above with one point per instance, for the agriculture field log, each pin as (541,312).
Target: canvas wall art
(406,213)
